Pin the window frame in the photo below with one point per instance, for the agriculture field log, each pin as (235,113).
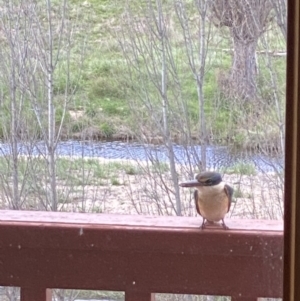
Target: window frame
(291,286)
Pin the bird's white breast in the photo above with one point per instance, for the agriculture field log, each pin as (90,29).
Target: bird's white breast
(213,202)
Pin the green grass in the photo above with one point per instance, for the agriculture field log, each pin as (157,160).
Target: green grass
(72,176)
(115,182)
(132,169)
(160,167)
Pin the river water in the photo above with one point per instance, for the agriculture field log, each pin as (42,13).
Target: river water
(217,156)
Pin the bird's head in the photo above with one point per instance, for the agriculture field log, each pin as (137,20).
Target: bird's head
(207,178)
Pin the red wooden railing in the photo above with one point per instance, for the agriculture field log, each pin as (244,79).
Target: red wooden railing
(140,255)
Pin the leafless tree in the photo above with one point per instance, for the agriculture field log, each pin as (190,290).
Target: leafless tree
(13,53)
(281,15)
(41,43)
(46,36)
(246,21)
(148,53)
(196,36)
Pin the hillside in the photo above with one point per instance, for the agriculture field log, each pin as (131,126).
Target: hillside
(108,81)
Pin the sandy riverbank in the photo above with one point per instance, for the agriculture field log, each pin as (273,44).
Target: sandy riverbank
(258,196)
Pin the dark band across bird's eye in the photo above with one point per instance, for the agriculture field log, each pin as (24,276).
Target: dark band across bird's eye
(207,178)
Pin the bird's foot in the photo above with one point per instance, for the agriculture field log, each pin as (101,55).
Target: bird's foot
(205,223)
(210,223)
(224,225)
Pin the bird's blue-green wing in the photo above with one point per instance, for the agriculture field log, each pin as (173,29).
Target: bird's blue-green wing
(229,192)
(196,197)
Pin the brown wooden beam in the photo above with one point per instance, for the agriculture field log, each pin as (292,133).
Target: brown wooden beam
(140,254)
(292,158)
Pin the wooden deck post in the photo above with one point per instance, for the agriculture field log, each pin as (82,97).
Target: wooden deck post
(35,294)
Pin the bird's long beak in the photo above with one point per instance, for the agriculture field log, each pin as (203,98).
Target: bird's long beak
(192,183)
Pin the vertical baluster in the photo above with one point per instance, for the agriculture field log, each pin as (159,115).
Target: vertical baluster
(35,294)
(138,296)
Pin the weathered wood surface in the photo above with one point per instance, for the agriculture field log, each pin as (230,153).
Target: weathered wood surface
(140,254)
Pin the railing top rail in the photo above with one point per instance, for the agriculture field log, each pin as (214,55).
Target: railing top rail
(140,253)
(161,222)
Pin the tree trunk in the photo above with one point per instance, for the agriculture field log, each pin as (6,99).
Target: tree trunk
(51,143)
(167,138)
(281,15)
(202,8)
(15,201)
(242,77)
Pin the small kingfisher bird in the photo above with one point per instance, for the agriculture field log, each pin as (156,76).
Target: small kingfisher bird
(212,197)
